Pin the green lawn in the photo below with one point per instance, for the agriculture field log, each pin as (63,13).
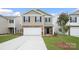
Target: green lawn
(7,37)
(50,41)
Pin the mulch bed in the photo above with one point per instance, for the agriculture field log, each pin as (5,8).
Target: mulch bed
(65,45)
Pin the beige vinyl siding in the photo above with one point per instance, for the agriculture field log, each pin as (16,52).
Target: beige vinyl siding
(33,23)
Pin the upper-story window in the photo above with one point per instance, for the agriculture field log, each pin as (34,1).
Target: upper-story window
(11,21)
(73,20)
(38,19)
(26,18)
(47,19)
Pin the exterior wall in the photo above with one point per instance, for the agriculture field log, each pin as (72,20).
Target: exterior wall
(18,22)
(73,24)
(10,24)
(10,18)
(32,22)
(48,23)
(3,25)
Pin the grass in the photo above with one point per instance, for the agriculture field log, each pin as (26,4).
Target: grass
(7,37)
(49,41)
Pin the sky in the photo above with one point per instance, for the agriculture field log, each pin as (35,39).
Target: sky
(48,10)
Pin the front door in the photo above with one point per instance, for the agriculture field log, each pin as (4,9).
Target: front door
(48,30)
(11,30)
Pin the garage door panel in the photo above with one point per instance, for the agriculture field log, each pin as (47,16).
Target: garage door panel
(32,31)
(74,31)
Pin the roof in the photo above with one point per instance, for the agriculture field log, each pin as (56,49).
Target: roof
(7,17)
(38,11)
(3,17)
(75,13)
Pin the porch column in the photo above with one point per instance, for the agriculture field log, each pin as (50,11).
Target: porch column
(43,19)
(52,30)
(14,30)
(43,30)
(14,26)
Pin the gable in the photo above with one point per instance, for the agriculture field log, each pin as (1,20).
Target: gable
(32,12)
(37,12)
(44,13)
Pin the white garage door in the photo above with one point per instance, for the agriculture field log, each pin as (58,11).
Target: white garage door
(32,31)
(74,31)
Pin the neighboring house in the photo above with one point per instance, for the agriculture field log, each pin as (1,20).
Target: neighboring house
(74,23)
(14,24)
(9,24)
(38,21)
(3,25)
(55,24)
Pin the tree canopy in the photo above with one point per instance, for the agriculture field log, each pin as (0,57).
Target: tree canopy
(62,20)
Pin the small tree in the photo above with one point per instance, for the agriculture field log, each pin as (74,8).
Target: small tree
(63,19)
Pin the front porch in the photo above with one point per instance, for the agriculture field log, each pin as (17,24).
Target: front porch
(48,31)
(12,30)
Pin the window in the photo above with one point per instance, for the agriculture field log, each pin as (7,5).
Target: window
(47,19)
(29,19)
(35,19)
(11,21)
(26,18)
(74,19)
(70,19)
(38,19)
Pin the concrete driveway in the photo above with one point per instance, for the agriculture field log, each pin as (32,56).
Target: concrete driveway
(24,43)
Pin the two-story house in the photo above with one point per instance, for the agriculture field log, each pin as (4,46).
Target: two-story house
(9,24)
(74,23)
(37,22)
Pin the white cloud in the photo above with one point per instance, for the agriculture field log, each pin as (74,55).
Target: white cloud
(16,14)
(5,11)
(8,12)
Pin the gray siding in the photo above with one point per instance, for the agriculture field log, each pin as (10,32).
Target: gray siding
(3,25)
